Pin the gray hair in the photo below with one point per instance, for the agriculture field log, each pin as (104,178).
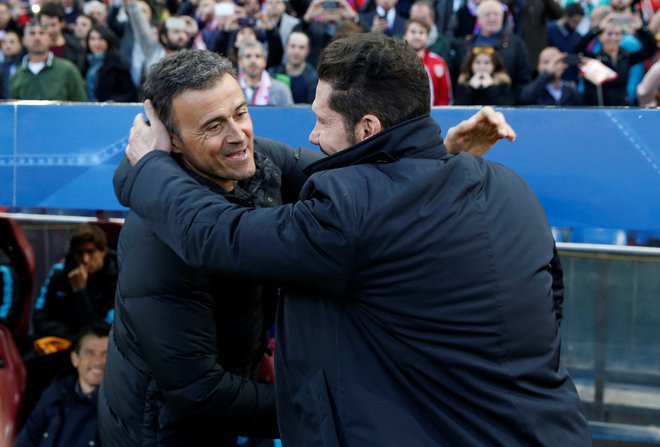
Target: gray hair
(180,71)
(251,44)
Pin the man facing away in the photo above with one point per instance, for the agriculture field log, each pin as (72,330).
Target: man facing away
(419,305)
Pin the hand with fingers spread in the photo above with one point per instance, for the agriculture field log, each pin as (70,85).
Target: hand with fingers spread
(145,137)
(478,134)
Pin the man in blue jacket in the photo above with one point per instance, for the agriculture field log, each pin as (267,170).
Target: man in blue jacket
(419,306)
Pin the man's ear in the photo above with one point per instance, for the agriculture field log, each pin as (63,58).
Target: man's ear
(176,144)
(368,126)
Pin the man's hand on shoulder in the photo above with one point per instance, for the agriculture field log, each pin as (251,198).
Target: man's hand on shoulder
(479,133)
(147,136)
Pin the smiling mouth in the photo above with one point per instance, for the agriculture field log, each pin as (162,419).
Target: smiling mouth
(239,154)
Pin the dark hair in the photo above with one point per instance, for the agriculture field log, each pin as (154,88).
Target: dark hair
(98,329)
(52,9)
(418,22)
(180,71)
(466,67)
(426,3)
(371,73)
(87,16)
(107,35)
(574,9)
(88,233)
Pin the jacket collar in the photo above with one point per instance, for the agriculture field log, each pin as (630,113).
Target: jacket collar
(416,138)
(49,60)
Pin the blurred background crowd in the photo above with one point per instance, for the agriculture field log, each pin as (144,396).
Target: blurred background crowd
(476,52)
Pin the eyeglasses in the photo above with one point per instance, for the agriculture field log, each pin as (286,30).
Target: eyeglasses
(483,50)
(34,23)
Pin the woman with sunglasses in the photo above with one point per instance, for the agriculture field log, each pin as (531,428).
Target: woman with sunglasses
(483,80)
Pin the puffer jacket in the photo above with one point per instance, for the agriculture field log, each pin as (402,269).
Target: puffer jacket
(185,348)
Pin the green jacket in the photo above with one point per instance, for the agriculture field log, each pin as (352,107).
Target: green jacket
(59,80)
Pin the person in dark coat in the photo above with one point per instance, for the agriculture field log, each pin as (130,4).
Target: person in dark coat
(108,74)
(418,306)
(609,33)
(66,414)
(510,47)
(549,89)
(188,386)
(483,80)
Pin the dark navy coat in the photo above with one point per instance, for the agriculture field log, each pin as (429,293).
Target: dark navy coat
(185,348)
(419,309)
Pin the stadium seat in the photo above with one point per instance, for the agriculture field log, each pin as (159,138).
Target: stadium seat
(12,387)
(21,253)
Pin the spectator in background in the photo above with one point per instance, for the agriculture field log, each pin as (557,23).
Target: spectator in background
(171,36)
(10,293)
(108,74)
(66,414)
(81,289)
(62,42)
(549,89)
(438,43)
(12,53)
(259,88)
(530,19)
(483,80)
(130,50)
(563,35)
(384,19)
(508,46)
(284,23)
(416,34)
(72,10)
(297,73)
(7,22)
(97,10)
(81,29)
(321,20)
(207,22)
(42,75)
(648,91)
(609,34)
(235,27)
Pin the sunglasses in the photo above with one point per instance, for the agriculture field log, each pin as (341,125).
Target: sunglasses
(34,23)
(483,50)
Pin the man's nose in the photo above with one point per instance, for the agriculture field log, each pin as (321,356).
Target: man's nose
(314,136)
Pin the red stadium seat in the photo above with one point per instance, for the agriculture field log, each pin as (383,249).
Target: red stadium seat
(12,387)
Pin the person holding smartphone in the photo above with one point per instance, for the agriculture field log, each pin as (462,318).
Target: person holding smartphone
(384,19)
(609,34)
(549,89)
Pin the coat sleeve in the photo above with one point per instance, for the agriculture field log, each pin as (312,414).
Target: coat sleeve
(308,244)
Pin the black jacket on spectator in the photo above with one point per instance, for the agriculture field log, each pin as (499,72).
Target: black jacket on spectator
(496,95)
(114,80)
(185,347)
(615,92)
(514,55)
(61,312)
(536,93)
(63,417)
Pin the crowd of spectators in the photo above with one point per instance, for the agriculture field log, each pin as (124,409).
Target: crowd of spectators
(476,52)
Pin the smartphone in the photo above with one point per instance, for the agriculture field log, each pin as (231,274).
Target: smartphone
(247,21)
(572,59)
(330,4)
(175,23)
(622,19)
(224,9)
